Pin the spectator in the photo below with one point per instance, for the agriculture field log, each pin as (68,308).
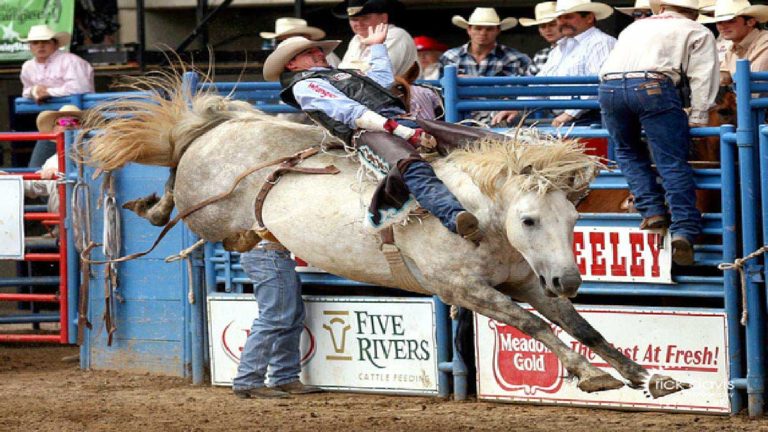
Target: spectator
(52,73)
(707,9)
(482,55)
(641,10)
(581,51)
(546,21)
(423,101)
(365,14)
(739,22)
(276,333)
(287,27)
(429,51)
(638,90)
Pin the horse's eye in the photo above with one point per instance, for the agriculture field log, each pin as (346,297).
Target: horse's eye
(529,222)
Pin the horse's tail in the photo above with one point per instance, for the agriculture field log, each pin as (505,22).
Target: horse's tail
(156,127)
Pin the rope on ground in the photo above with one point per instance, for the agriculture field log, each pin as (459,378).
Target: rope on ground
(185,255)
(738,264)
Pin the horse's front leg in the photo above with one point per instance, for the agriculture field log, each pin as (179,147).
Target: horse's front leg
(484,299)
(561,312)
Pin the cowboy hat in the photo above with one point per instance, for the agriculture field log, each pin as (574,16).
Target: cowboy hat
(287,50)
(484,17)
(351,8)
(544,12)
(601,10)
(426,43)
(285,27)
(707,6)
(639,5)
(726,10)
(686,4)
(42,32)
(46,120)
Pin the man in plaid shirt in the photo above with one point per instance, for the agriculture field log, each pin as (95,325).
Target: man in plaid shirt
(482,56)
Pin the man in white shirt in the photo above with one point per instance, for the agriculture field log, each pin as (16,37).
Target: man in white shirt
(365,14)
(639,90)
(581,51)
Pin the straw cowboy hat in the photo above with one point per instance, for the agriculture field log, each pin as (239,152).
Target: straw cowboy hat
(484,17)
(687,4)
(707,6)
(544,12)
(351,8)
(639,5)
(46,120)
(601,10)
(287,50)
(285,27)
(726,10)
(42,32)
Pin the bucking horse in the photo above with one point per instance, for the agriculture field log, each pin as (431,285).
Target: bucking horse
(520,188)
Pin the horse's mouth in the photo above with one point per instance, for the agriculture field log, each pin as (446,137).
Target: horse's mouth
(547,290)
(556,289)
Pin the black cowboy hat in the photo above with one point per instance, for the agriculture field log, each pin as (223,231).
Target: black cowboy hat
(350,8)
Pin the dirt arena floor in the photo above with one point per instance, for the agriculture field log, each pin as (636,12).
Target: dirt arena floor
(42,390)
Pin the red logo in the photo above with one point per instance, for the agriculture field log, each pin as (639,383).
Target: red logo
(523,363)
(233,342)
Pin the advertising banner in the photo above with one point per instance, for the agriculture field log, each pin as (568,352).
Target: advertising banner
(689,346)
(11,217)
(17,16)
(373,344)
(620,254)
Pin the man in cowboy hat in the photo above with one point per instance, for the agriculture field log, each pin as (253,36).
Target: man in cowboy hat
(359,110)
(581,51)
(546,21)
(289,26)
(367,14)
(638,90)
(53,72)
(641,9)
(739,22)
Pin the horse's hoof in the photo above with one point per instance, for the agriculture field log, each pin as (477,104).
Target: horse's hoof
(600,383)
(141,206)
(662,385)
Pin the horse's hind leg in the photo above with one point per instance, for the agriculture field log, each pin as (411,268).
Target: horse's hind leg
(156,211)
(561,312)
(484,299)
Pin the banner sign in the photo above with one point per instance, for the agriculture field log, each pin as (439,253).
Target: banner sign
(689,346)
(621,254)
(17,16)
(373,344)
(11,217)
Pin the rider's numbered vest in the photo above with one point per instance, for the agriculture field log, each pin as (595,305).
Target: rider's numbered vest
(351,83)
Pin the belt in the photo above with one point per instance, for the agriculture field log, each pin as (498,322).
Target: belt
(623,75)
(272,247)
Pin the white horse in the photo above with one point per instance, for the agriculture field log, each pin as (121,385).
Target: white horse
(519,192)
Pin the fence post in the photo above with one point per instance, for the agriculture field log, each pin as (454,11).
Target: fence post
(745,141)
(450,84)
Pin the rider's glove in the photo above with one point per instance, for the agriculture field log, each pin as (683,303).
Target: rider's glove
(416,137)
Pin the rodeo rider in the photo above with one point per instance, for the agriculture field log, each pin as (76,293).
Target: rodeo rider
(361,111)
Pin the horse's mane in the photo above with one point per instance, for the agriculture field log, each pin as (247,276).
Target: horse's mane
(529,162)
(156,127)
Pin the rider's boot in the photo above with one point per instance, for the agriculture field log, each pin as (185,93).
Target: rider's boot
(450,136)
(433,195)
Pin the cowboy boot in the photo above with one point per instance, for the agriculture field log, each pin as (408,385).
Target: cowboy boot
(452,136)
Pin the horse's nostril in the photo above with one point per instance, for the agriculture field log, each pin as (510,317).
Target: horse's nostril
(542,281)
(556,282)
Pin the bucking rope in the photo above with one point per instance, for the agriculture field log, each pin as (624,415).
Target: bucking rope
(738,264)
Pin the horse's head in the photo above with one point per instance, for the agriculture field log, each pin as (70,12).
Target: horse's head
(540,227)
(532,182)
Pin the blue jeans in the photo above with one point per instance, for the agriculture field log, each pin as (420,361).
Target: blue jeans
(41,152)
(275,334)
(431,193)
(631,104)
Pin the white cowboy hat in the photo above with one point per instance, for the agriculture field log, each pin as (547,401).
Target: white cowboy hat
(639,5)
(707,6)
(484,17)
(726,10)
(544,12)
(287,50)
(601,10)
(687,4)
(285,27)
(47,119)
(42,32)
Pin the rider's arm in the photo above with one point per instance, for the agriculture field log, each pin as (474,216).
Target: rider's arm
(381,66)
(318,95)
(703,75)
